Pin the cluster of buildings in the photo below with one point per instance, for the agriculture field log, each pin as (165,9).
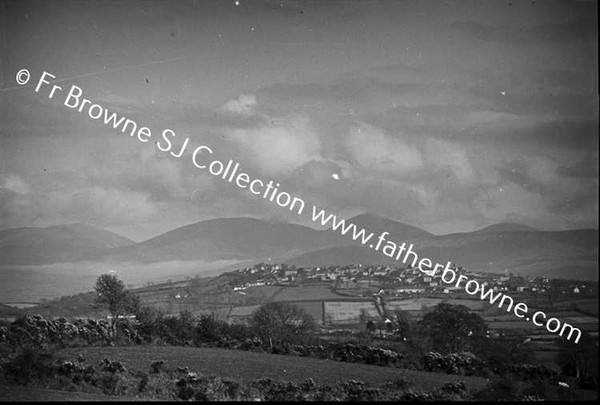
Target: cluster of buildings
(398,281)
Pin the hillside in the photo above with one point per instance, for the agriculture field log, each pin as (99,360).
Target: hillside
(399,230)
(556,254)
(222,239)
(248,366)
(341,255)
(495,248)
(506,227)
(55,244)
(249,238)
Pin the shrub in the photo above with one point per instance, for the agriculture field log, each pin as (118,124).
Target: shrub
(31,364)
(157,366)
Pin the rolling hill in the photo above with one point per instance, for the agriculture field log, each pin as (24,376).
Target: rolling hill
(506,227)
(55,244)
(248,238)
(495,248)
(377,225)
(222,239)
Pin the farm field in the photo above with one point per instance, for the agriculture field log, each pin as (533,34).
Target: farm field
(309,292)
(249,366)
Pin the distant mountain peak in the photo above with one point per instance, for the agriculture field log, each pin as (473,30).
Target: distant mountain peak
(73,226)
(506,227)
(369,216)
(55,244)
(376,223)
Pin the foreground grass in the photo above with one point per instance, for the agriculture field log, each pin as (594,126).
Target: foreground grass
(249,366)
(19,393)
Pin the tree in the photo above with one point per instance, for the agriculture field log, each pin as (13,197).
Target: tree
(580,360)
(501,352)
(280,322)
(370,327)
(118,300)
(363,316)
(149,321)
(453,328)
(404,330)
(180,329)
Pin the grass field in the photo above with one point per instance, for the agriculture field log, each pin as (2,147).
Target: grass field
(19,393)
(249,366)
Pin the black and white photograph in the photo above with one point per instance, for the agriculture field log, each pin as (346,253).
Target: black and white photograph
(299,200)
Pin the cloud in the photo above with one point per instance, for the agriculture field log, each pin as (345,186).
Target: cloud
(535,174)
(583,28)
(16,205)
(577,28)
(282,147)
(244,104)
(320,176)
(14,183)
(144,170)
(95,204)
(372,149)
(448,155)
(488,32)
(585,168)
(118,103)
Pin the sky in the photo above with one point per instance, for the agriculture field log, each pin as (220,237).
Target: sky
(446,115)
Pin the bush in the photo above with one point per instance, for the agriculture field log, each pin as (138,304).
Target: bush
(178,330)
(399,383)
(38,332)
(209,330)
(31,364)
(455,363)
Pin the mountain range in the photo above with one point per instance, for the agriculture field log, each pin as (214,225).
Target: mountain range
(511,247)
(55,244)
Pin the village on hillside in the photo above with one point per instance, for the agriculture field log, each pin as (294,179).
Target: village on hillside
(401,281)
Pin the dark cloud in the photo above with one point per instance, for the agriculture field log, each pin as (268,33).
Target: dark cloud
(357,90)
(340,92)
(518,173)
(534,133)
(575,135)
(525,98)
(585,29)
(569,31)
(585,168)
(490,33)
(577,209)
(563,78)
